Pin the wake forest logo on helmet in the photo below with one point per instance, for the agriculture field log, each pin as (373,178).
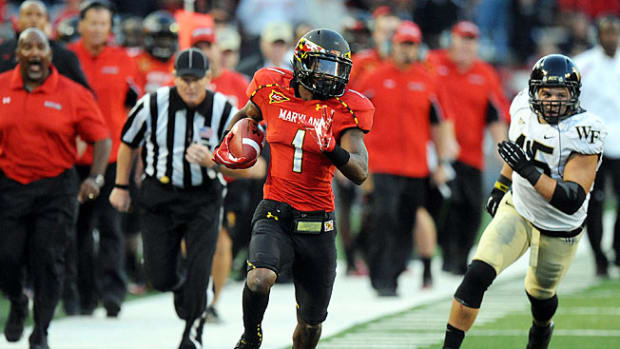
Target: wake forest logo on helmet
(277,97)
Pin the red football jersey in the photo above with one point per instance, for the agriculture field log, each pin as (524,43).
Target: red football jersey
(299,173)
(153,73)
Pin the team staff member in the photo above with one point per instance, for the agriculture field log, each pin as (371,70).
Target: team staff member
(156,61)
(225,81)
(384,23)
(546,207)
(600,67)
(475,90)
(41,114)
(181,196)
(309,115)
(33,14)
(409,115)
(112,75)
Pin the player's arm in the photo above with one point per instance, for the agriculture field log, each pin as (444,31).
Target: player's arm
(250,110)
(356,167)
(569,193)
(566,194)
(500,188)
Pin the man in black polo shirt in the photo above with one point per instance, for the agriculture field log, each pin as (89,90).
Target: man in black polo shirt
(181,197)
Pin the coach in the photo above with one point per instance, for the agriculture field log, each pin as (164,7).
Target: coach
(181,196)
(41,115)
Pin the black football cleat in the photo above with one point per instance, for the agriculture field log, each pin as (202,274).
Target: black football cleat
(540,337)
(14,328)
(245,343)
(38,341)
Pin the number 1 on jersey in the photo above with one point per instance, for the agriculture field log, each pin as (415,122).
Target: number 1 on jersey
(298,143)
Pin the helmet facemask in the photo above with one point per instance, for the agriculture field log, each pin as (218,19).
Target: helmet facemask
(554,111)
(324,74)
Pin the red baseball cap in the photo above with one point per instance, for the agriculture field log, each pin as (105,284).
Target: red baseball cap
(466,29)
(407,31)
(202,34)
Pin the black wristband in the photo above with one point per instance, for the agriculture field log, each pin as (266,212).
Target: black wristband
(122,186)
(338,156)
(531,173)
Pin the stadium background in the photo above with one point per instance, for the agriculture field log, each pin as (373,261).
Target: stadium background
(514,33)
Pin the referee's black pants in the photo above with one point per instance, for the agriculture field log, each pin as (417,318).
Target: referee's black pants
(463,217)
(594,221)
(168,216)
(34,223)
(101,271)
(396,199)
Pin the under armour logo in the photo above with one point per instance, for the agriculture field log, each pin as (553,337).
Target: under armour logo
(6,100)
(269,215)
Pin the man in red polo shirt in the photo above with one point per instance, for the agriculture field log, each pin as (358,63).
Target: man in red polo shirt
(225,81)
(409,114)
(383,25)
(476,93)
(111,74)
(41,114)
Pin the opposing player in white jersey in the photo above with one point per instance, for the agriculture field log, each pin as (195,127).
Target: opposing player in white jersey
(551,158)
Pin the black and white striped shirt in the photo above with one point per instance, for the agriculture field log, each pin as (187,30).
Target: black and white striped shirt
(162,124)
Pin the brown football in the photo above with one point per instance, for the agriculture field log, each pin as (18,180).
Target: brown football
(247,140)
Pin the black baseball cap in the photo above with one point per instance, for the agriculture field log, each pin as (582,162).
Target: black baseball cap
(191,62)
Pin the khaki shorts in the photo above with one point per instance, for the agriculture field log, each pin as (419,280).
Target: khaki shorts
(507,238)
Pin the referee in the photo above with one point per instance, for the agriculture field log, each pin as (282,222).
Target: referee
(181,197)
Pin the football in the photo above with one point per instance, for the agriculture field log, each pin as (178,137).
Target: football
(247,140)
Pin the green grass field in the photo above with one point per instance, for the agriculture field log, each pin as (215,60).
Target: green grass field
(589,319)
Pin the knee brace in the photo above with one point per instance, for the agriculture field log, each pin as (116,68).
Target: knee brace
(543,309)
(478,278)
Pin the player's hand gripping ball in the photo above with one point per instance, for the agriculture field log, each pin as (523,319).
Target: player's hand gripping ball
(242,146)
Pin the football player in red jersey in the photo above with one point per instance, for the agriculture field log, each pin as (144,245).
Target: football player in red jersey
(156,62)
(314,125)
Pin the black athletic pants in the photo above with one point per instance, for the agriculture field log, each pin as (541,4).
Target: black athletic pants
(396,200)
(463,217)
(168,216)
(101,271)
(594,221)
(34,222)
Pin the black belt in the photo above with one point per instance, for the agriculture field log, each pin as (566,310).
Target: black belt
(560,234)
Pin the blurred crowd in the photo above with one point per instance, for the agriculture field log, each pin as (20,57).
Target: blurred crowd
(246,35)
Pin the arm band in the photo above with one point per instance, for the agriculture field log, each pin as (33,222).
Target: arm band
(338,156)
(568,196)
(531,174)
(503,183)
(122,186)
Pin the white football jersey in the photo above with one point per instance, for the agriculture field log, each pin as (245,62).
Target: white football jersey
(551,145)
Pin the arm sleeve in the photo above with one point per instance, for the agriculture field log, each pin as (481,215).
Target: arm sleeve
(498,109)
(90,124)
(519,103)
(588,137)
(133,84)
(134,130)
